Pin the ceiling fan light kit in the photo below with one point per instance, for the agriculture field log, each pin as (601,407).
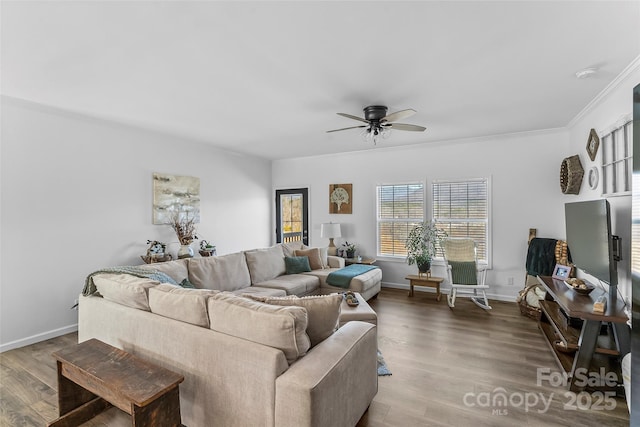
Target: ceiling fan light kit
(379,124)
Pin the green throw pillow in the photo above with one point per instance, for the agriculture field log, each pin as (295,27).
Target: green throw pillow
(187,284)
(464,272)
(296,264)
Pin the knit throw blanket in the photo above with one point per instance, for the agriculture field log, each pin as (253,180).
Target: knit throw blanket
(341,278)
(90,287)
(464,272)
(541,257)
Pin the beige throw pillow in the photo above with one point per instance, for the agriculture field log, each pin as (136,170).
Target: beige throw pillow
(315,262)
(279,327)
(185,305)
(323,312)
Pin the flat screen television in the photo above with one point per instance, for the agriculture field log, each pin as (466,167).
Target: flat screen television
(588,226)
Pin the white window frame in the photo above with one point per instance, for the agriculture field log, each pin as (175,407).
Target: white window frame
(488,220)
(402,220)
(617,159)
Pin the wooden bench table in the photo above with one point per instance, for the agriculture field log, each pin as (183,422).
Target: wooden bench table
(430,281)
(93,376)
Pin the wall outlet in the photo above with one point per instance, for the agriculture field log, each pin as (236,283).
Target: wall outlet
(510,281)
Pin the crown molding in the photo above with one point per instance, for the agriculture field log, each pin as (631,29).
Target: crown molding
(633,66)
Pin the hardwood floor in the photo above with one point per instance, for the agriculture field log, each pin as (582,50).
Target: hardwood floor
(448,367)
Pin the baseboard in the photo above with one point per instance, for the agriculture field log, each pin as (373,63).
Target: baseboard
(491,296)
(37,338)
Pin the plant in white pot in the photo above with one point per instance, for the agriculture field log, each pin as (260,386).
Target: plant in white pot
(421,245)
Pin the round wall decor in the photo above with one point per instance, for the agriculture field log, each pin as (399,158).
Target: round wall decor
(593,178)
(571,174)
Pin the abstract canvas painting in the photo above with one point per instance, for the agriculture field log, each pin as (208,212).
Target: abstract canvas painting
(174,194)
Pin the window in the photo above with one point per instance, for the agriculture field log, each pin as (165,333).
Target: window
(461,208)
(617,161)
(400,207)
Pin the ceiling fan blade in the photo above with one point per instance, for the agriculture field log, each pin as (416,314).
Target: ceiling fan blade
(404,126)
(398,115)
(349,116)
(352,127)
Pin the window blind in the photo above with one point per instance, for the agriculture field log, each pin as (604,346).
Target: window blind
(399,209)
(461,208)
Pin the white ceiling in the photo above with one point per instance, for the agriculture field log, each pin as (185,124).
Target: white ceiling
(268,77)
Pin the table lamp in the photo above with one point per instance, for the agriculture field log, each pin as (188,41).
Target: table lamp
(331,231)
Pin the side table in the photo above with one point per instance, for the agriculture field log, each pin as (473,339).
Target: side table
(93,376)
(430,281)
(366,261)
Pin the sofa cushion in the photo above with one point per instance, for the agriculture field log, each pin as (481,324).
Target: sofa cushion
(222,273)
(297,264)
(259,291)
(177,269)
(185,305)
(288,248)
(323,312)
(279,327)
(265,264)
(293,284)
(315,262)
(125,289)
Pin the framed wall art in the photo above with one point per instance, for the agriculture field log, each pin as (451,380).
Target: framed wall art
(340,198)
(175,194)
(593,142)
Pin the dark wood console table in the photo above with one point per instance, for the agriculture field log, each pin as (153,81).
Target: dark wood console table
(562,309)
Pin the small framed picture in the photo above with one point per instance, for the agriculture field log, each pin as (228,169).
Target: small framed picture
(561,272)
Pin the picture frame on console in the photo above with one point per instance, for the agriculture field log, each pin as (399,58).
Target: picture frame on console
(561,272)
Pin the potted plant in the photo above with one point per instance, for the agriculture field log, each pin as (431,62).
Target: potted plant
(185,228)
(156,252)
(421,245)
(349,249)
(206,248)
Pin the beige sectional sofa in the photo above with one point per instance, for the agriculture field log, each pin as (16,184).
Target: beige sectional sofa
(252,352)
(263,271)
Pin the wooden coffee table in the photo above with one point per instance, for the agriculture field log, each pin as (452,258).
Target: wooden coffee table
(430,281)
(93,376)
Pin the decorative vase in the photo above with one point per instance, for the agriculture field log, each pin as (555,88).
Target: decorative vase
(185,251)
(350,253)
(424,267)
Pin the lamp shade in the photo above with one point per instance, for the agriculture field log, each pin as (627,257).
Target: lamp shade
(330,230)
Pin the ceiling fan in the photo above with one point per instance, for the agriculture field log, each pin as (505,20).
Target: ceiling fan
(379,124)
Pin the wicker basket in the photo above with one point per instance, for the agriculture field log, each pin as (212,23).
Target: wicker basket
(151,259)
(529,311)
(571,173)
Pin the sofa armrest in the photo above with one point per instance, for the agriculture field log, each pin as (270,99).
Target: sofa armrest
(334,384)
(335,261)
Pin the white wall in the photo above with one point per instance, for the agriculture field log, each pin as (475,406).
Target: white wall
(609,109)
(77,195)
(524,170)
